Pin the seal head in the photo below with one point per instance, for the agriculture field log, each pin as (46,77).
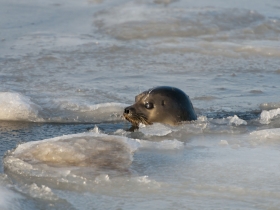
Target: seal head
(164,104)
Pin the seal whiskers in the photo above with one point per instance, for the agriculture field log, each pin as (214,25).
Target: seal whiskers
(137,118)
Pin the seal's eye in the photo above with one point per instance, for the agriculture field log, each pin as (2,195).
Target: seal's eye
(149,105)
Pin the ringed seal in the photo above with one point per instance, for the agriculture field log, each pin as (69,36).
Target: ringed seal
(164,104)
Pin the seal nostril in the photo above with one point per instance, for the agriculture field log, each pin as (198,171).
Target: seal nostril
(129,110)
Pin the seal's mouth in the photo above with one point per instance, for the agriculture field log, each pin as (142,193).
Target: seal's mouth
(136,118)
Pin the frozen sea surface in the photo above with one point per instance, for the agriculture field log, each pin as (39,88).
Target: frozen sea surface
(68,68)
